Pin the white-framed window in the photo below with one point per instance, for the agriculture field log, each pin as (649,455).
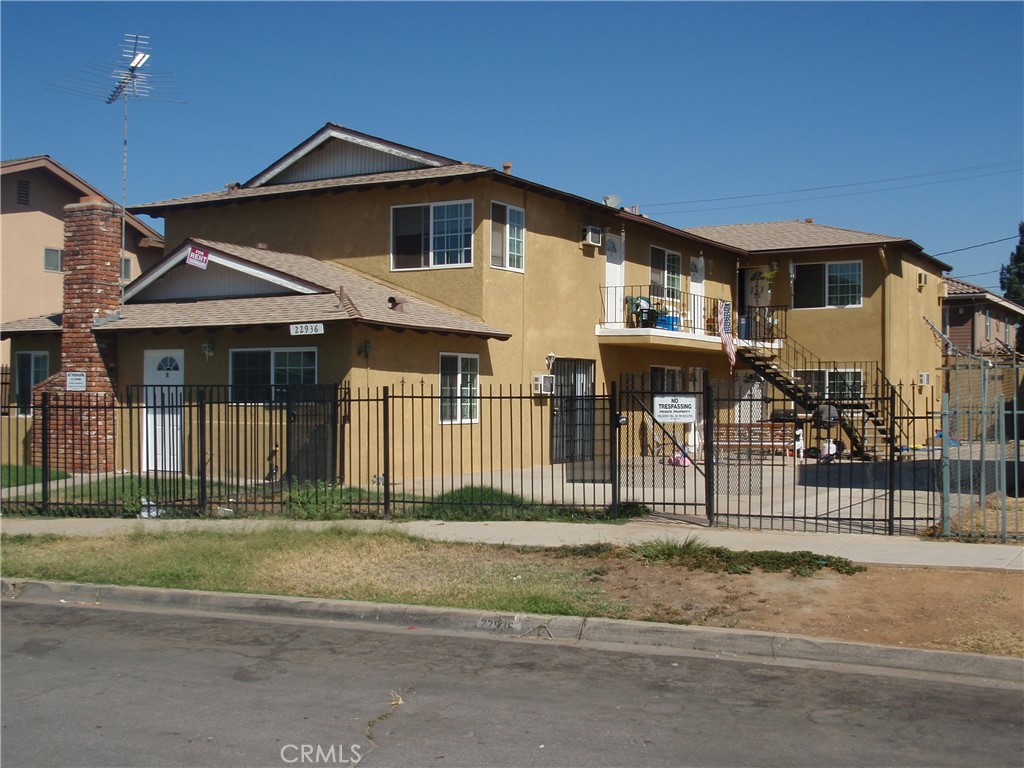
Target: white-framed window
(126,269)
(508,236)
(460,388)
(430,236)
(30,369)
(988,325)
(258,375)
(839,284)
(666,273)
(53,259)
(833,384)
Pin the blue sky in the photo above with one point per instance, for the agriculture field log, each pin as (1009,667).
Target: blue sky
(696,112)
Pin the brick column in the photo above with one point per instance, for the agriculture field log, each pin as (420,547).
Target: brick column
(82,424)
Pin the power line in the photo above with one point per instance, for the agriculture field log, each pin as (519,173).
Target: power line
(824,197)
(979,245)
(838,186)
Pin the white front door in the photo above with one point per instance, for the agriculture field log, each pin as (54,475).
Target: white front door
(614,277)
(164,379)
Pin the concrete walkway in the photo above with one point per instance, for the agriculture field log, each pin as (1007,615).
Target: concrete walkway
(860,548)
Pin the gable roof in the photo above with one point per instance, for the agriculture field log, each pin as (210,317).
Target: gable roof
(320,292)
(83,188)
(796,235)
(400,157)
(961,289)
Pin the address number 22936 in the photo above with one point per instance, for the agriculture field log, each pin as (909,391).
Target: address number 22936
(306,329)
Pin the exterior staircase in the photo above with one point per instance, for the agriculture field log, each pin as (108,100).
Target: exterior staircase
(864,415)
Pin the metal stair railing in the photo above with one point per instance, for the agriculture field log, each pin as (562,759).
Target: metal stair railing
(777,357)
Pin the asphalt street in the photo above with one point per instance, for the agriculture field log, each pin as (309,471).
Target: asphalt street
(113,686)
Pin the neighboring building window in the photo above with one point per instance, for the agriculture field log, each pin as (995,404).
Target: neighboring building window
(258,375)
(508,236)
(828,285)
(834,385)
(23,192)
(53,259)
(30,369)
(460,388)
(436,235)
(988,325)
(666,273)
(126,269)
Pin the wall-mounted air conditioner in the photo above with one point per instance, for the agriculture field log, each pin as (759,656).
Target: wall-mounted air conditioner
(924,379)
(544,384)
(592,236)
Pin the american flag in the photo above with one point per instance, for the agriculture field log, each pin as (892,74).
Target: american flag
(725,331)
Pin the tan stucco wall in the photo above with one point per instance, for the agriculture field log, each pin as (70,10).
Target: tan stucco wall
(888,328)
(553,306)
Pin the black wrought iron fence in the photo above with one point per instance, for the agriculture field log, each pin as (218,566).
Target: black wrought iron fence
(689,449)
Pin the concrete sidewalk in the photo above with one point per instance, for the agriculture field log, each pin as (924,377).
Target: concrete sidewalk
(860,548)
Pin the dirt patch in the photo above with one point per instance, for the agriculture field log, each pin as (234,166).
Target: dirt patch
(979,611)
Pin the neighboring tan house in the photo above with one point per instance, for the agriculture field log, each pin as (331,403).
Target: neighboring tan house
(356,260)
(33,195)
(978,321)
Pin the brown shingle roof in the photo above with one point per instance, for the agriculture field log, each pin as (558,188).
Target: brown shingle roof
(362,299)
(789,235)
(239,194)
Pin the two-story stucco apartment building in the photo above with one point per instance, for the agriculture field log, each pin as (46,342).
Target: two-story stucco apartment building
(360,260)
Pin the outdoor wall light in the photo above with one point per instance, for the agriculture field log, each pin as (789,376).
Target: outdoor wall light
(208,349)
(550,359)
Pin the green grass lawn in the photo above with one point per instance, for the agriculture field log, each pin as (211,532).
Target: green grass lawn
(14,474)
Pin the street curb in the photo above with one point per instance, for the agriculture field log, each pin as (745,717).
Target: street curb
(711,640)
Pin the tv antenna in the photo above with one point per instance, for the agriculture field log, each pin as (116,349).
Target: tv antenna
(131,81)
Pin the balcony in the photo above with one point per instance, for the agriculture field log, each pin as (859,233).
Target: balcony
(652,314)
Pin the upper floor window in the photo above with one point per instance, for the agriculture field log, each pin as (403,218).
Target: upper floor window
(460,388)
(508,236)
(53,259)
(666,271)
(126,269)
(828,285)
(435,235)
(257,375)
(23,192)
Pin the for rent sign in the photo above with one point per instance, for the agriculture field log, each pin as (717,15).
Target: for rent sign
(675,409)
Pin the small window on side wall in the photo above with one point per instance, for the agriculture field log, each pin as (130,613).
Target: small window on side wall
(508,237)
(460,389)
(53,259)
(126,269)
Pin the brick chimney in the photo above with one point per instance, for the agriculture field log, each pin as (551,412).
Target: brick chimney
(80,424)
(92,289)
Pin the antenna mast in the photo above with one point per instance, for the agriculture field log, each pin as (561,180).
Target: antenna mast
(131,81)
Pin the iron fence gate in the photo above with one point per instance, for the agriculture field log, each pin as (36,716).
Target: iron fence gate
(728,453)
